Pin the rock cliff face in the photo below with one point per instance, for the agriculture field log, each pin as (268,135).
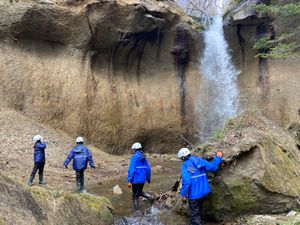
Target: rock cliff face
(112,71)
(270,85)
(118,72)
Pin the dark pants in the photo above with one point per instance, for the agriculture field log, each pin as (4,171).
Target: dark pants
(38,167)
(80,180)
(137,191)
(195,209)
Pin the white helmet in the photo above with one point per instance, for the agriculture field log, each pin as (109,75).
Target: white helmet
(37,138)
(79,139)
(184,152)
(136,146)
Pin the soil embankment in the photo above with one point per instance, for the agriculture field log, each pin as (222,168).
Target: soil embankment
(16,156)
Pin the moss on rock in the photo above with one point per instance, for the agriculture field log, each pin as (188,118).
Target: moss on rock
(36,205)
(261,172)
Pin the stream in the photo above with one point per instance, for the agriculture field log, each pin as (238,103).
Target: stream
(162,180)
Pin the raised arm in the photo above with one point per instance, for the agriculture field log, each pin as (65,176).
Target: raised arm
(213,165)
(41,145)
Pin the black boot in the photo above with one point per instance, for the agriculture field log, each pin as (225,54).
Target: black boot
(82,186)
(41,179)
(148,197)
(136,205)
(78,185)
(30,182)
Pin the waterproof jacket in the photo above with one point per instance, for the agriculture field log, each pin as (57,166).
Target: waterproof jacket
(194,179)
(139,170)
(81,155)
(39,152)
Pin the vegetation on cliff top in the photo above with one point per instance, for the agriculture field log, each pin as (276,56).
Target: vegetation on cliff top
(274,48)
(278,10)
(280,46)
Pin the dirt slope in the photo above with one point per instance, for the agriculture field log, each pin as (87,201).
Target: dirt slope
(16,158)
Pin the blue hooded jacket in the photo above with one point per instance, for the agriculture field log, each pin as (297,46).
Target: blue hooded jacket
(81,155)
(194,180)
(139,170)
(39,152)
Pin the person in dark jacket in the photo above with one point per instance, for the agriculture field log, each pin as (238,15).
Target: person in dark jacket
(195,184)
(139,172)
(39,159)
(81,155)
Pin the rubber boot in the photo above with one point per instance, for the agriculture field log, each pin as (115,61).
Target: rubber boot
(30,182)
(42,180)
(136,205)
(82,187)
(78,184)
(148,197)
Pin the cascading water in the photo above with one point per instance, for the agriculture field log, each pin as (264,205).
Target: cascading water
(218,97)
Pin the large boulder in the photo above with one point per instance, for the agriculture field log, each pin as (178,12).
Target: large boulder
(260,172)
(23,205)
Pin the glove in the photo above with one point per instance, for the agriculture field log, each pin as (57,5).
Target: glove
(220,154)
(129,185)
(184,199)
(93,167)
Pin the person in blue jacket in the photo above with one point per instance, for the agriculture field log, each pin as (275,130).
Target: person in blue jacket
(139,172)
(39,159)
(81,155)
(195,184)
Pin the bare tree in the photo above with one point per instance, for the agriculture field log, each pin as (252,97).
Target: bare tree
(201,8)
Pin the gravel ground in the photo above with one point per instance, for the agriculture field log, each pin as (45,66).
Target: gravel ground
(16,153)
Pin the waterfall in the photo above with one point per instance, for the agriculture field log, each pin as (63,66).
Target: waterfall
(218,93)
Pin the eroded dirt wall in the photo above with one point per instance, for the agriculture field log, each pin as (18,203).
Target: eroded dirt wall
(112,78)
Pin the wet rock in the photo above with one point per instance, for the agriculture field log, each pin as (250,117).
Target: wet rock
(117,190)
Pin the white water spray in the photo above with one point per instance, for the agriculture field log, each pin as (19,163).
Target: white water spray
(218,92)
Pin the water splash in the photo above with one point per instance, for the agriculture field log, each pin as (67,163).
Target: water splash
(150,217)
(218,95)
